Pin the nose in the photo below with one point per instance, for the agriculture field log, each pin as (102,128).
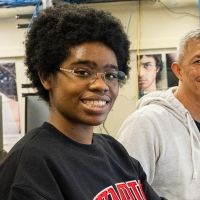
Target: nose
(99,82)
(141,71)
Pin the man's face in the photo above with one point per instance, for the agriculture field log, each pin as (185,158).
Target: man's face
(147,74)
(190,69)
(77,101)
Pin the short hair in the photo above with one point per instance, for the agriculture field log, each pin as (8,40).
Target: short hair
(57,29)
(191,35)
(159,64)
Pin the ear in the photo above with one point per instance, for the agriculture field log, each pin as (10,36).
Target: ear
(176,68)
(46,81)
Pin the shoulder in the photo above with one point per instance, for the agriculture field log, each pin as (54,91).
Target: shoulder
(106,140)
(22,157)
(117,151)
(150,109)
(146,122)
(110,145)
(34,143)
(147,114)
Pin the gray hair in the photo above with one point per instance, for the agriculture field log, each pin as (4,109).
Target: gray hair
(192,35)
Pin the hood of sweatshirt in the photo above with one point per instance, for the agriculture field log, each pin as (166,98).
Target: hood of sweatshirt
(167,100)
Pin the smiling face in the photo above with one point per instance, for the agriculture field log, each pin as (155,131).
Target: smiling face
(76,102)
(147,74)
(188,70)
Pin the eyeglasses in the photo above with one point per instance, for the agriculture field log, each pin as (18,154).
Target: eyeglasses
(112,77)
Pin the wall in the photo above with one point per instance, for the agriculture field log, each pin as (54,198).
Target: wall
(12,50)
(150,25)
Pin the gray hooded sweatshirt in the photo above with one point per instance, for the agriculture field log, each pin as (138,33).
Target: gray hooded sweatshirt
(162,135)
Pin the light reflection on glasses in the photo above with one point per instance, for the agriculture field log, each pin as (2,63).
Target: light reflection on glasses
(112,77)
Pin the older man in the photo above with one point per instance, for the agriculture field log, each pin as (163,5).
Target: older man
(163,133)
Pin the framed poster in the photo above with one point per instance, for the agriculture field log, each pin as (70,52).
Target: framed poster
(154,72)
(150,68)
(172,80)
(10,105)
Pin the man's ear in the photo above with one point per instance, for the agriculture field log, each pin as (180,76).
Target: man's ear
(176,68)
(46,81)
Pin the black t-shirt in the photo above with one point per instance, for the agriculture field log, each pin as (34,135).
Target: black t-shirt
(46,165)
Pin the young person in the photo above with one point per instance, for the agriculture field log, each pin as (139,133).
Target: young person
(77,58)
(163,133)
(149,73)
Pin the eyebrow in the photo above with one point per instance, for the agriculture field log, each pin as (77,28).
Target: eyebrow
(146,63)
(196,57)
(93,64)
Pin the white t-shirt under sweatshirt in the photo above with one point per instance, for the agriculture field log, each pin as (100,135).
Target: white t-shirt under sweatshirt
(162,135)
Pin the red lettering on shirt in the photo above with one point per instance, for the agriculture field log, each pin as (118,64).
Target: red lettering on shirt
(124,191)
(131,190)
(137,190)
(104,194)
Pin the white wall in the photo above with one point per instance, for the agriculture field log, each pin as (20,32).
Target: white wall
(151,27)
(12,50)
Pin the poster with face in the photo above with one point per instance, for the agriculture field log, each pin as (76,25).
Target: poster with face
(10,105)
(172,80)
(149,72)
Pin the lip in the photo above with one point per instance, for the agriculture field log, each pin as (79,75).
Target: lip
(141,82)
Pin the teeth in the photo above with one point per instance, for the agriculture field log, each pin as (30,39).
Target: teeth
(95,103)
